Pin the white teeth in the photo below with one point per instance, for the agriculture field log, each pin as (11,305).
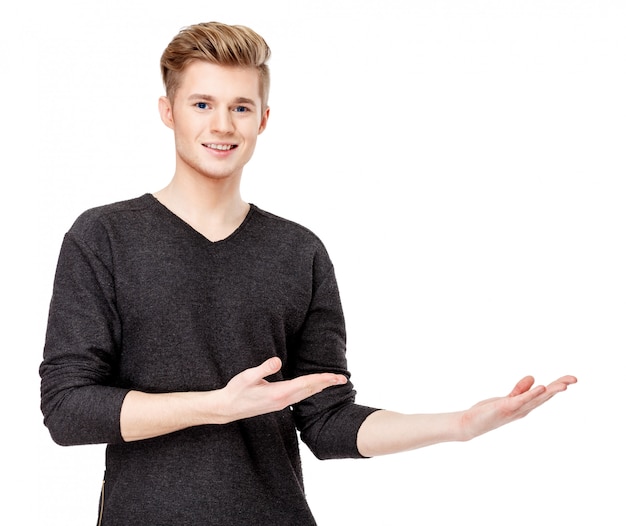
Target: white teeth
(221,146)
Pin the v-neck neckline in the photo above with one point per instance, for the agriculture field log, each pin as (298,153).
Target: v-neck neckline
(176,218)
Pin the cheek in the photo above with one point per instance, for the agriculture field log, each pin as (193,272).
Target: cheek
(188,128)
(247,133)
(252,138)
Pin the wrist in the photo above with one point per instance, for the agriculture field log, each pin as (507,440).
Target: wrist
(464,427)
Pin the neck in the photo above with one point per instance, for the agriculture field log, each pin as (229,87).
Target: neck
(213,207)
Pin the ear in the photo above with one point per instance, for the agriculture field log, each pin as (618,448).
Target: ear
(166,112)
(265,116)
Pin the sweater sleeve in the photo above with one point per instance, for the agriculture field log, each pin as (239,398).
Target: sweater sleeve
(329,421)
(79,401)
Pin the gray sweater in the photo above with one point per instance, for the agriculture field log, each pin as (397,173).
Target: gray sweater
(143,301)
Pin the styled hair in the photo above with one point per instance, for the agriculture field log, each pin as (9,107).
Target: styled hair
(222,44)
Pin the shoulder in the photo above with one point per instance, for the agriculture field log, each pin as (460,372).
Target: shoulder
(100,217)
(98,229)
(285,229)
(290,243)
(114,210)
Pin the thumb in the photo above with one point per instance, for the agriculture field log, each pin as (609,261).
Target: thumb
(522,386)
(271,366)
(257,374)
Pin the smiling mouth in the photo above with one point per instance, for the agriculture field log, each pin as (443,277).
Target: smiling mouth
(220,147)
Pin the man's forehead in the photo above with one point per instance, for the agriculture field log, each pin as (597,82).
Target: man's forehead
(215,79)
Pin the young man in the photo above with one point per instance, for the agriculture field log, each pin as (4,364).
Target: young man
(194,333)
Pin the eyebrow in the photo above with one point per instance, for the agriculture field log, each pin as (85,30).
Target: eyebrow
(210,98)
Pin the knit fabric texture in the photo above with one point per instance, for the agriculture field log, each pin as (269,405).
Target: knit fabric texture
(142,301)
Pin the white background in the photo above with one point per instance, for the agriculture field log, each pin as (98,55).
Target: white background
(463,162)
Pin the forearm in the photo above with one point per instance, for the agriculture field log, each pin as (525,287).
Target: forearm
(248,394)
(386,432)
(147,415)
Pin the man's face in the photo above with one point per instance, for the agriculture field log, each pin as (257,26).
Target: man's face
(216,116)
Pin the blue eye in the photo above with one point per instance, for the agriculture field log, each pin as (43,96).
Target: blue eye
(202,105)
(241,109)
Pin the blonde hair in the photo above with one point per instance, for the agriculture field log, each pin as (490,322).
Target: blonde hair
(222,44)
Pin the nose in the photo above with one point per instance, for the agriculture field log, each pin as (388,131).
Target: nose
(222,121)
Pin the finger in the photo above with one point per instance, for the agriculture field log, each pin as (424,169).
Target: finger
(258,373)
(566,380)
(561,384)
(522,386)
(555,387)
(271,366)
(520,404)
(540,395)
(303,387)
